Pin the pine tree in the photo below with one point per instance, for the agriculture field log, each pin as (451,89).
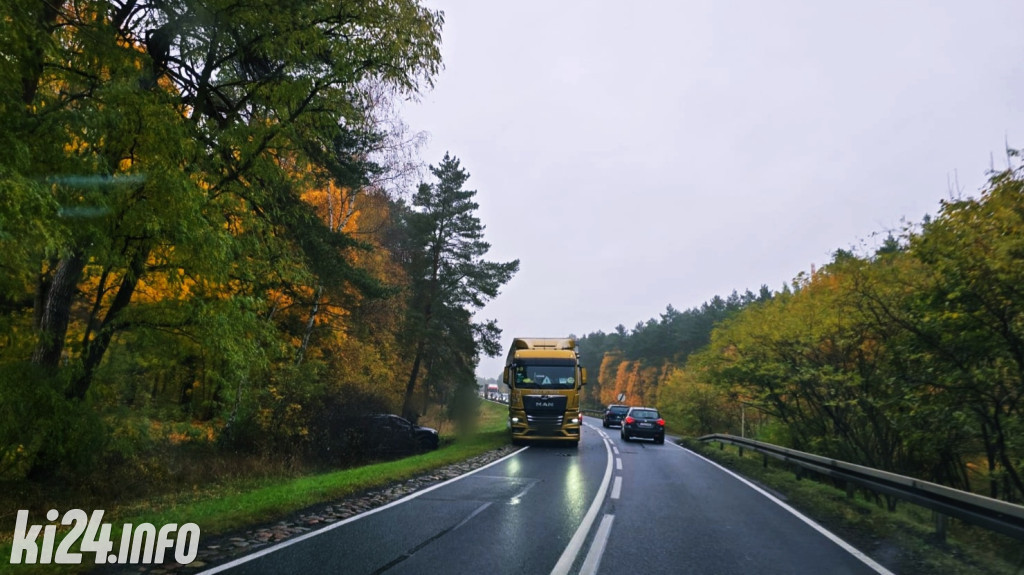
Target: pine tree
(450,280)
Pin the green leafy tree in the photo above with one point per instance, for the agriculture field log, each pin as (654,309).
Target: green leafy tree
(695,406)
(816,362)
(966,316)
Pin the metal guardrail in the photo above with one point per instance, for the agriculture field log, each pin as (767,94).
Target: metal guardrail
(1000,516)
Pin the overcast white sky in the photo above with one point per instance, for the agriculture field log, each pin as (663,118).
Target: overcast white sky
(636,155)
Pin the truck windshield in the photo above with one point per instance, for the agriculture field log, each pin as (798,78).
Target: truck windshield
(545,376)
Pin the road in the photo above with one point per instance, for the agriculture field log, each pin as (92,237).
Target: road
(607,507)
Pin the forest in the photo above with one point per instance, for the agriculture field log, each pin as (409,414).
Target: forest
(215,234)
(908,359)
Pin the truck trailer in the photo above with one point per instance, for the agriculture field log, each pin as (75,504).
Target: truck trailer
(545,378)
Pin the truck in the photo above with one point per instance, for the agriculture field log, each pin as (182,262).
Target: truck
(545,379)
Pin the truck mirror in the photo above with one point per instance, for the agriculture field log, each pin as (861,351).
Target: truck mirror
(504,376)
(583,376)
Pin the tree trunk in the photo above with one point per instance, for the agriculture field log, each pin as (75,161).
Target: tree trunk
(426,387)
(409,411)
(318,292)
(990,455)
(32,65)
(1013,483)
(408,408)
(56,312)
(97,348)
(43,286)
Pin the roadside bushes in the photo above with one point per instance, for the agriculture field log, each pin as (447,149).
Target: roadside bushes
(694,407)
(42,435)
(909,360)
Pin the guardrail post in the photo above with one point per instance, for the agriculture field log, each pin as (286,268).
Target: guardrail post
(741,451)
(764,462)
(799,473)
(851,490)
(721,446)
(941,523)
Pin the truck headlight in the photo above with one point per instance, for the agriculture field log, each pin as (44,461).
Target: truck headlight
(574,420)
(515,420)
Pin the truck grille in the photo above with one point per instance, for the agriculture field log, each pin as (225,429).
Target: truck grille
(545,420)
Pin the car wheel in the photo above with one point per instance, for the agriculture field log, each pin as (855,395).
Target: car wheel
(659,440)
(625,436)
(605,424)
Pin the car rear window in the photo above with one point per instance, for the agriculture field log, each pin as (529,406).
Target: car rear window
(618,409)
(645,414)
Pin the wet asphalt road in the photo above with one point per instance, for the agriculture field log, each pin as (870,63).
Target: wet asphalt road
(643,508)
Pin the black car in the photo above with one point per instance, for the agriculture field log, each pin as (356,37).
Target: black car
(385,433)
(643,422)
(613,415)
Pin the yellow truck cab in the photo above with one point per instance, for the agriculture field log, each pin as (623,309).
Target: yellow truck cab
(545,379)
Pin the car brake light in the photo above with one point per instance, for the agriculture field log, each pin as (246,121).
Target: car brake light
(629,419)
(661,422)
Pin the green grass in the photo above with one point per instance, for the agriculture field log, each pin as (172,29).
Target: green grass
(229,511)
(903,540)
(241,503)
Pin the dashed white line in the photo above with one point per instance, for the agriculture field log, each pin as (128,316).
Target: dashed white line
(576,543)
(617,487)
(618,464)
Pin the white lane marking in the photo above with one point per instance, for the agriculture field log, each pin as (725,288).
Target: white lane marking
(305,536)
(576,543)
(618,464)
(615,449)
(472,515)
(411,552)
(617,488)
(828,534)
(593,560)
(518,497)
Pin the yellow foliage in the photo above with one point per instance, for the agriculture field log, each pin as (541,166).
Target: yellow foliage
(618,375)
(336,206)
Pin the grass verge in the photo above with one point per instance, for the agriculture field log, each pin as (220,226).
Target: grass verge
(237,504)
(903,540)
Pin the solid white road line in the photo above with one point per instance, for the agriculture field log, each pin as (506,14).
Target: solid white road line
(303,537)
(576,543)
(593,560)
(828,534)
